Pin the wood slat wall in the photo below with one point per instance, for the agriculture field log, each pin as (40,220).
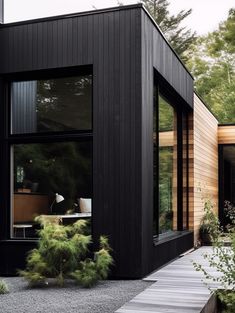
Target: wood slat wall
(123,47)
(157,58)
(226,134)
(109,42)
(203,163)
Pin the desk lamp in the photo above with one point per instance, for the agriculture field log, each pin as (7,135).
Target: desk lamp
(58,199)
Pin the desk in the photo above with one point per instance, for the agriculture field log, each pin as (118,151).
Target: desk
(57,218)
(21,226)
(74,215)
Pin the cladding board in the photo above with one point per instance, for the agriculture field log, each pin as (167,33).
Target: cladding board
(158,57)
(203,163)
(123,46)
(226,134)
(110,42)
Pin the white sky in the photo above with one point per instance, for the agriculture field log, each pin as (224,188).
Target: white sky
(205,17)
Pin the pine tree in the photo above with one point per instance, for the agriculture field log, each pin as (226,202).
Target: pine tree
(179,37)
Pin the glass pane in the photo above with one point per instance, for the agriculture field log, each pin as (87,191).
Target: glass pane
(155,164)
(53,179)
(60,104)
(167,167)
(185,170)
(228,186)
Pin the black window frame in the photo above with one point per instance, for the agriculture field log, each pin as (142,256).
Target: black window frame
(8,139)
(161,87)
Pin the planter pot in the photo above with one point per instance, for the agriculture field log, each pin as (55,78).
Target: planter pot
(205,239)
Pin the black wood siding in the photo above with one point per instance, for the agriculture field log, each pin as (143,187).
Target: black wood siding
(122,45)
(157,57)
(111,43)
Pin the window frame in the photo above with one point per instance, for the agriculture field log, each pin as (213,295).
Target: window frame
(9,139)
(161,87)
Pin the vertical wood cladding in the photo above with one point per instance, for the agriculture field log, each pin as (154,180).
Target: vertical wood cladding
(110,42)
(158,57)
(203,158)
(123,46)
(226,134)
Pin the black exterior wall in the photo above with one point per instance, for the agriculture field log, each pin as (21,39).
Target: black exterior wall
(122,46)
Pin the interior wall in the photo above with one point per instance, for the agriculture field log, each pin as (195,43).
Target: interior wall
(203,163)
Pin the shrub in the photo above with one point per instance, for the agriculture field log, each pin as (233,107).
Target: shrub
(222,259)
(3,287)
(63,252)
(209,223)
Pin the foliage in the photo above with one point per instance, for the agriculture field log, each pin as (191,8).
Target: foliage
(209,222)
(222,260)
(63,167)
(180,37)
(229,211)
(3,287)
(212,63)
(62,253)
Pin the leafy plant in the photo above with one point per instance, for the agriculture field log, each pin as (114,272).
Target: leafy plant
(209,222)
(229,211)
(3,287)
(222,259)
(62,253)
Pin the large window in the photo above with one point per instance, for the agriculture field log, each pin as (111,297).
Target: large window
(170,143)
(52,172)
(51,105)
(167,167)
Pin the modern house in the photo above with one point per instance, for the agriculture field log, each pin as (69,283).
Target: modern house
(98,106)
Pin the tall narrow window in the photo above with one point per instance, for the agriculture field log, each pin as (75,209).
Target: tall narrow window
(167,167)
(170,166)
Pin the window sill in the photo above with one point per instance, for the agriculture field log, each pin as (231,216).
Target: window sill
(157,240)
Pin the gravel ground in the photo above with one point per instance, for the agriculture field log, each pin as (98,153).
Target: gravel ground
(106,297)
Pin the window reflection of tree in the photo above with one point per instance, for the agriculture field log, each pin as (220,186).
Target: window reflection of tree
(63,167)
(64,104)
(167,166)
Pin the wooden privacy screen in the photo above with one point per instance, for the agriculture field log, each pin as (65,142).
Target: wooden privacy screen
(28,206)
(203,163)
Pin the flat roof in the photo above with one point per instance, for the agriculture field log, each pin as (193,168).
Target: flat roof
(99,11)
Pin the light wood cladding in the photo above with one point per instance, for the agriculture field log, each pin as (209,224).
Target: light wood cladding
(226,134)
(28,206)
(203,163)
(166,138)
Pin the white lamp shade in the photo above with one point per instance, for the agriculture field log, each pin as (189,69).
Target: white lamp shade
(58,198)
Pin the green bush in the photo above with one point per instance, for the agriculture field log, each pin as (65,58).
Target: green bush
(63,252)
(222,259)
(3,287)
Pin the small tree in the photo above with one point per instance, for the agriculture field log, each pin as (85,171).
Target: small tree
(63,252)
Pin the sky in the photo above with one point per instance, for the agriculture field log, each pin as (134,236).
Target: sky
(206,15)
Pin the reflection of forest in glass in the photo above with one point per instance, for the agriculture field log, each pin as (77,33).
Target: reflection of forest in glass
(63,167)
(60,104)
(166,166)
